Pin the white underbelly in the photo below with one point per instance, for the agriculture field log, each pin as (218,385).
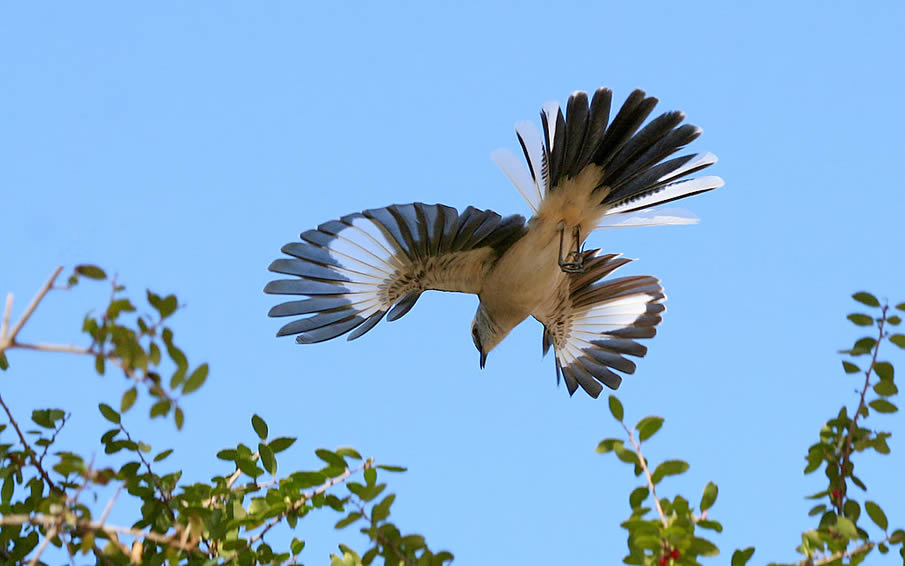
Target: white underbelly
(527,274)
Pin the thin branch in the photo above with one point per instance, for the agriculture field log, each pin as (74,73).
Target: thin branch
(307,496)
(163,494)
(11,338)
(843,554)
(382,539)
(109,506)
(848,444)
(53,438)
(28,449)
(96,526)
(4,326)
(49,536)
(650,479)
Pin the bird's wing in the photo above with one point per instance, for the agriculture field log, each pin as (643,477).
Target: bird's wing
(623,165)
(592,323)
(355,269)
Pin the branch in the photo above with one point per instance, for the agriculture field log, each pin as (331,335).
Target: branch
(4,326)
(843,554)
(28,450)
(308,495)
(847,445)
(10,339)
(381,539)
(96,526)
(650,479)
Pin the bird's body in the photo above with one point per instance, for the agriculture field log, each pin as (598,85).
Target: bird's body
(584,175)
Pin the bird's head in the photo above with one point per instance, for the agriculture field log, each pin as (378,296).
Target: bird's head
(485,333)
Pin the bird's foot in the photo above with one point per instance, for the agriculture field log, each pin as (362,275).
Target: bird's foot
(573,262)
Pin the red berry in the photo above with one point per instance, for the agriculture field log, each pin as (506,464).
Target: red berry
(674,554)
(663,560)
(835,494)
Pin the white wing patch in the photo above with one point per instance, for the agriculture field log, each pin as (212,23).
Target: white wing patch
(515,169)
(669,192)
(650,217)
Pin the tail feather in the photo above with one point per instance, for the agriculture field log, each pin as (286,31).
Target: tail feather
(633,174)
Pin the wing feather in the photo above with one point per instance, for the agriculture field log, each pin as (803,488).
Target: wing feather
(364,266)
(592,323)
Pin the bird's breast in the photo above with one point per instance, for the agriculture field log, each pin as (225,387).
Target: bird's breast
(526,275)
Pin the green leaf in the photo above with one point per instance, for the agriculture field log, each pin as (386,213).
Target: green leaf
(347,520)
(391,468)
(866,298)
(702,547)
(885,388)
(195,380)
(846,527)
(884,370)
(280,444)
(330,458)
(638,496)
(128,400)
(709,496)
(850,367)
(669,468)
(163,455)
(296,546)
(382,510)
(109,413)
(648,426)
(91,271)
(348,452)
(894,320)
(901,306)
(179,417)
(860,319)
(898,340)
(160,408)
(712,525)
(267,458)
(260,426)
(608,445)
(883,406)
(741,557)
(876,514)
(4,363)
(616,408)
(228,454)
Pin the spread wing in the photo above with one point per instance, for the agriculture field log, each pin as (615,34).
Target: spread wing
(592,323)
(352,271)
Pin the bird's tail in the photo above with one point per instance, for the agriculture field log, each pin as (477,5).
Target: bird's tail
(612,169)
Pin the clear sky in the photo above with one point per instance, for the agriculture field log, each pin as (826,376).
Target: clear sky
(182,145)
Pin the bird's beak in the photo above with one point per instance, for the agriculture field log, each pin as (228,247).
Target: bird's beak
(483,358)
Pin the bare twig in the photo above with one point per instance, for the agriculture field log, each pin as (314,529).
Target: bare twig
(109,530)
(829,559)
(308,495)
(28,449)
(848,444)
(647,474)
(10,339)
(49,536)
(53,438)
(4,326)
(109,506)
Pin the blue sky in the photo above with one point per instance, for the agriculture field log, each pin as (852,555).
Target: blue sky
(181,146)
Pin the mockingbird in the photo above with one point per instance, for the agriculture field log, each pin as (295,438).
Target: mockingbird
(584,173)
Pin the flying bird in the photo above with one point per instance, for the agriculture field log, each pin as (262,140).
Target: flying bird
(584,172)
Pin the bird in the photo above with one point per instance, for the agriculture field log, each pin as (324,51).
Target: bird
(583,173)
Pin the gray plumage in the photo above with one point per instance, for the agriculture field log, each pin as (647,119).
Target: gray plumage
(583,173)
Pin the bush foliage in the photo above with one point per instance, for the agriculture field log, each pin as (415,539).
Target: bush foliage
(46,490)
